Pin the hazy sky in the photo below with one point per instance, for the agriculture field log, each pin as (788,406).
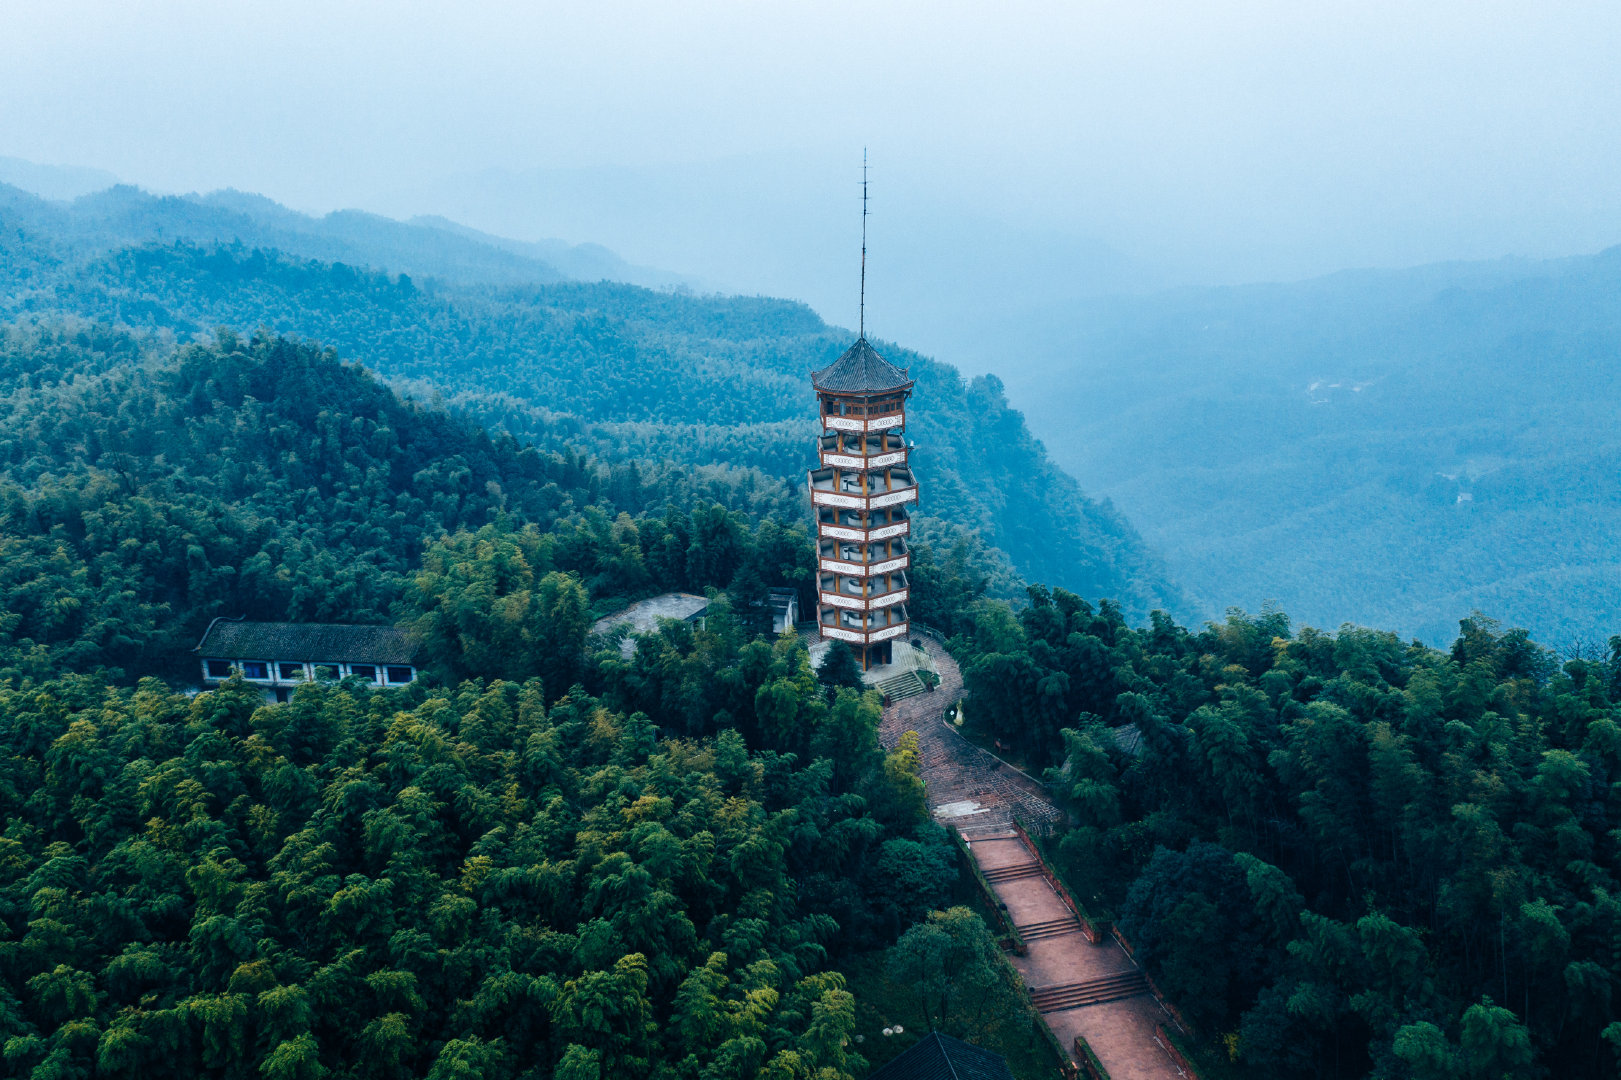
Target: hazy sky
(1139,141)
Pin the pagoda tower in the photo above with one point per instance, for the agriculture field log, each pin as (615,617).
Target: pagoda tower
(862,492)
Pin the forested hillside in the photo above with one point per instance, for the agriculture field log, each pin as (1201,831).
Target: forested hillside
(623,371)
(1389,448)
(144,491)
(1341,855)
(542,860)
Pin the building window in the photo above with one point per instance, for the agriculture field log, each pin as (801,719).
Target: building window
(281,695)
(292,671)
(255,669)
(399,674)
(219,669)
(364,671)
(326,671)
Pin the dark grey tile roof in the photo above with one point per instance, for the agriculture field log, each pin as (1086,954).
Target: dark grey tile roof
(940,1057)
(860,370)
(309,642)
(1129,737)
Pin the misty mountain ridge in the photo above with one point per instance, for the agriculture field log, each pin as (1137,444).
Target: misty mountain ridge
(123,215)
(63,183)
(717,383)
(1391,448)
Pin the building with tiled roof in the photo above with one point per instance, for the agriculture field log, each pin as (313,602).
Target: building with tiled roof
(280,656)
(863,492)
(941,1057)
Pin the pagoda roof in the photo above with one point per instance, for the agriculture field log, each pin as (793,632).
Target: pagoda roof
(860,371)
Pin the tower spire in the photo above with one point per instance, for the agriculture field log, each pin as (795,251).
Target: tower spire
(863,312)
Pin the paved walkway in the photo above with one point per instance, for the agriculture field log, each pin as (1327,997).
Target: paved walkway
(1095,991)
(967,786)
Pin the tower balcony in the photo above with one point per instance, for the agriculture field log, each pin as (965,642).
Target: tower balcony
(849,450)
(860,560)
(848,587)
(844,591)
(857,637)
(862,425)
(869,603)
(862,628)
(862,490)
(837,523)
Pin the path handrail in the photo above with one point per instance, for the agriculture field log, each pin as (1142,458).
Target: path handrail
(991,899)
(1164,1003)
(1173,1049)
(1088,1060)
(1093,934)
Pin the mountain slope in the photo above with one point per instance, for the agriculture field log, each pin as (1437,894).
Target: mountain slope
(621,370)
(121,215)
(1389,448)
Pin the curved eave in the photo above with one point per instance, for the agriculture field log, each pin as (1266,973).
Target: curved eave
(821,389)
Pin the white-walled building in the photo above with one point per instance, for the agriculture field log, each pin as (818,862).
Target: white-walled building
(281,656)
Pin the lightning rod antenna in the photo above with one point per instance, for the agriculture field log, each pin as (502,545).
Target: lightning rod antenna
(863,312)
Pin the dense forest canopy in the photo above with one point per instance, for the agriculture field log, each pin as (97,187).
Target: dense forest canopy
(1342,855)
(623,371)
(145,490)
(544,859)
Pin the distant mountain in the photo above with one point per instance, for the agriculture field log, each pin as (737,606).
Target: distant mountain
(54,181)
(1392,448)
(582,262)
(947,267)
(629,373)
(121,215)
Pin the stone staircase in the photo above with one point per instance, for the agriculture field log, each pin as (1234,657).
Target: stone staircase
(1052,928)
(1126,984)
(900,687)
(1012,873)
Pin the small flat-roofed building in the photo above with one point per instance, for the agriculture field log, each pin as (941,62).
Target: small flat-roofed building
(280,656)
(643,616)
(784,604)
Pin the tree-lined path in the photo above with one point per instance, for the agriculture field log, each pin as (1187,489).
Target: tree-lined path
(1080,988)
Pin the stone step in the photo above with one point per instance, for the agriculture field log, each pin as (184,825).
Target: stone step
(900,687)
(1051,928)
(1059,998)
(1012,873)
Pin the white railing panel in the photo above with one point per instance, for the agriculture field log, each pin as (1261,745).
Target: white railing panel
(893,497)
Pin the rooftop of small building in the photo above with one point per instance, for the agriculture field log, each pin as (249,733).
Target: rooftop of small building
(860,371)
(238,639)
(644,615)
(941,1057)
